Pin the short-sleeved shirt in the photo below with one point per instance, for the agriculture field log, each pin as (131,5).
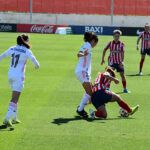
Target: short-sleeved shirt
(145,42)
(116,52)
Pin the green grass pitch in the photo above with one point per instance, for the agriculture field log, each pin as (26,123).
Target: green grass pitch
(48,103)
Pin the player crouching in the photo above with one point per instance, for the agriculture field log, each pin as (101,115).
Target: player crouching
(101,96)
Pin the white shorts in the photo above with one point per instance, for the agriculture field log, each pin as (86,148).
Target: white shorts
(16,84)
(83,76)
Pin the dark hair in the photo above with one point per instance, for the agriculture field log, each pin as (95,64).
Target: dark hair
(23,40)
(89,36)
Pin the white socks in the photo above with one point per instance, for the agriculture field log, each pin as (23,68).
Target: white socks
(11,110)
(15,112)
(84,101)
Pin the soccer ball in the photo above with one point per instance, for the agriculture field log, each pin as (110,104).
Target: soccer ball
(123,113)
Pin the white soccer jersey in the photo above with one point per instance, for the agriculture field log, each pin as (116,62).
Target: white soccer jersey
(19,56)
(84,63)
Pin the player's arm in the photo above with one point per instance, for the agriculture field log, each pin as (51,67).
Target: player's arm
(111,78)
(33,59)
(104,53)
(82,53)
(5,54)
(122,53)
(122,56)
(138,41)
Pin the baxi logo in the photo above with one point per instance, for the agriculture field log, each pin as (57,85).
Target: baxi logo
(95,29)
(42,29)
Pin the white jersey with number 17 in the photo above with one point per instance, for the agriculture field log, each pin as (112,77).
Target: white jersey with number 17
(19,56)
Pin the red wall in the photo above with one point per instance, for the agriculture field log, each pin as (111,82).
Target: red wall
(121,7)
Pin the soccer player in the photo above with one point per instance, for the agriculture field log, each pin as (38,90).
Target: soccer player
(83,69)
(101,95)
(116,57)
(145,45)
(19,55)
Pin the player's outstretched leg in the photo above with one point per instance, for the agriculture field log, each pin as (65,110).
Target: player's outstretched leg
(123,104)
(134,109)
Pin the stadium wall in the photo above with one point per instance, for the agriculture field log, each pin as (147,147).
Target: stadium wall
(73,19)
(70,29)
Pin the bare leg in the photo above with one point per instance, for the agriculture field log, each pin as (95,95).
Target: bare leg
(123,79)
(141,63)
(121,103)
(87,87)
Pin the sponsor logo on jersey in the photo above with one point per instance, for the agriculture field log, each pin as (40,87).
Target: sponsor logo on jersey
(18,50)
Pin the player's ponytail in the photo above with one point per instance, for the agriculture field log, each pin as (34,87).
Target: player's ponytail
(23,40)
(90,36)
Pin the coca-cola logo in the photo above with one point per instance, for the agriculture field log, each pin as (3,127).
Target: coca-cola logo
(5,28)
(42,29)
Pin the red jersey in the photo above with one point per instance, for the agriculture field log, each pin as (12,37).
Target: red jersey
(101,82)
(145,43)
(116,52)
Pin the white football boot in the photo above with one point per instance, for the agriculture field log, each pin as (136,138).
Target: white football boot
(92,113)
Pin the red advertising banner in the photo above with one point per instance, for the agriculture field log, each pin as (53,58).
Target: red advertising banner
(37,28)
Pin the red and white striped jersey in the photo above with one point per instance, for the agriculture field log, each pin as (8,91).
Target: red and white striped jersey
(145,43)
(116,52)
(101,82)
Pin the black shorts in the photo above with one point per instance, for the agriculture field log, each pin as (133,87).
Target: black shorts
(117,67)
(100,98)
(145,51)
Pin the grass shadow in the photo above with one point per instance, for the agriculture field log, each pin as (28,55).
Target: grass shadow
(60,121)
(132,75)
(5,128)
(120,93)
(120,118)
(137,75)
